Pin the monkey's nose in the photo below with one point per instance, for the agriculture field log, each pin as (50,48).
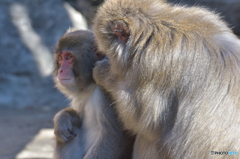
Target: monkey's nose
(61,71)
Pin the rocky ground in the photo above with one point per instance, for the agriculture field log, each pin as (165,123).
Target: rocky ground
(18,128)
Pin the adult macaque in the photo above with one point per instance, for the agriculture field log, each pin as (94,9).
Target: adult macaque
(90,128)
(174,72)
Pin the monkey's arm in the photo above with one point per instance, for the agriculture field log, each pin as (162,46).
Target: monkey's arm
(64,122)
(102,74)
(113,142)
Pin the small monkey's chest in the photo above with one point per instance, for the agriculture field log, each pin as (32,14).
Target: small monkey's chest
(91,118)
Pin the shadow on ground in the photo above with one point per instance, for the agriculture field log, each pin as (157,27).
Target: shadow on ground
(20,130)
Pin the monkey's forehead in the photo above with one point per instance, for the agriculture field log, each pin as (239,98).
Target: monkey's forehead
(74,42)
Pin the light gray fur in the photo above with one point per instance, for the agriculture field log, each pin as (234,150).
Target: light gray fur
(100,135)
(176,80)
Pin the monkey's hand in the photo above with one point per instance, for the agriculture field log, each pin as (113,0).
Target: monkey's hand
(64,123)
(101,71)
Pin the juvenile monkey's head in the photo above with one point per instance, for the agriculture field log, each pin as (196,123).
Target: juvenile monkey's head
(74,60)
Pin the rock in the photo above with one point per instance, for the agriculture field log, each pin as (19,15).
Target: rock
(87,7)
(29,30)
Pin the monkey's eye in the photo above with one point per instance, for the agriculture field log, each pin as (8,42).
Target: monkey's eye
(60,58)
(69,56)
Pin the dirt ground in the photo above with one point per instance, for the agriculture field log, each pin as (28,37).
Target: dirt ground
(18,127)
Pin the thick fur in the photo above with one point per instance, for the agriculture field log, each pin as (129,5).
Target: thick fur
(90,128)
(176,79)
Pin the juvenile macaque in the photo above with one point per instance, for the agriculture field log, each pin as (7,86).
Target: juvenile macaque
(174,72)
(90,128)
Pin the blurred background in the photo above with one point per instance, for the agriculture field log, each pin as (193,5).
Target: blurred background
(29,29)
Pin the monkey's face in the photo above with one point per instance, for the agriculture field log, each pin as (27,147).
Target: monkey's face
(74,60)
(65,73)
(113,38)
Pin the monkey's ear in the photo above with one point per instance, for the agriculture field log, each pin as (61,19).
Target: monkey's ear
(120,28)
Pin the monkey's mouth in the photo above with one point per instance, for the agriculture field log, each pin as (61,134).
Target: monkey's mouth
(60,79)
(66,81)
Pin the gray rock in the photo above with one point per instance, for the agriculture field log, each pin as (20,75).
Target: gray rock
(29,30)
(87,7)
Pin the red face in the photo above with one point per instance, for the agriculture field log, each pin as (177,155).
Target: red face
(65,73)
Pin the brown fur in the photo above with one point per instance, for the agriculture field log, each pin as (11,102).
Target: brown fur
(176,79)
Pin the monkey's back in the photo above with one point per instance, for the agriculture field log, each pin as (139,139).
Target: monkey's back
(181,68)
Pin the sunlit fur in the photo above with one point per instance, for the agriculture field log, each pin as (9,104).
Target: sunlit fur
(90,128)
(176,80)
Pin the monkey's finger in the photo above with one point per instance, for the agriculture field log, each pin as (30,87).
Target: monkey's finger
(64,139)
(72,132)
(68,133)
(61,137)
(68,136)
(63,134)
